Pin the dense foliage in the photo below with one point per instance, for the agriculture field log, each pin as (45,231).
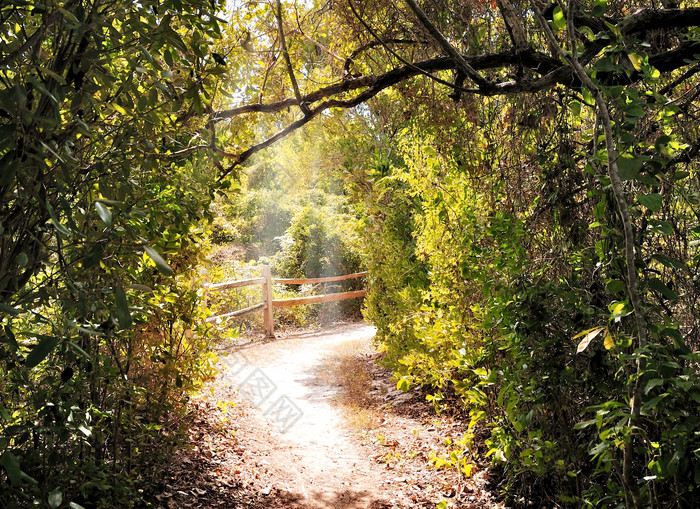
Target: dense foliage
(531,220)
(101,338)
(527,178)
(291,213)
(500,281)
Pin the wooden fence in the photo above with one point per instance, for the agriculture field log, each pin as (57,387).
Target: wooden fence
(268,303)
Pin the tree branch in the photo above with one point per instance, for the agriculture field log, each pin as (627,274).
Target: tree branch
(371,44)
(543,72)
(461,62)
(513,25)
(285,54)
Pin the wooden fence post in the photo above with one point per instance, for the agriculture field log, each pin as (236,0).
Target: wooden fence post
(267,299)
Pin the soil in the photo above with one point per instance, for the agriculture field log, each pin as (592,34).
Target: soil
(311,420)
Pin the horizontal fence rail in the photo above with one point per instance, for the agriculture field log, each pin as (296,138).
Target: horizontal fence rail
(240,312)
(308,281)
(268,302)
(236,284)
(316,299)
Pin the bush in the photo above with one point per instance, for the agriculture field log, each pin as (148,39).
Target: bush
(522,324)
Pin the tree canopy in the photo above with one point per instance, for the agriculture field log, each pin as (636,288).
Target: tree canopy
(526,180)
(477,48)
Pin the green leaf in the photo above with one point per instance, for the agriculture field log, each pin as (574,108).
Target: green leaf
(599,7)
(618,310)
(5,308)
(584,424)
(614,286)
(41,88)
(104,213)
(576,108)
(22,259)
(93,331)
(634,110)
(55,498)
(41,350)
(588,336)
(628,167)
(140,288)
(123,314)
(73,505)
(79,350)
(558,18)
(168,57)
(615,31)
(667,262)
(162,265)
(659,286)
(403,385)
(605,65)
(587,32)
(54,219)
(653,201)
(119,109)
(677,339)
(660,227)
(11,465)
(654,382)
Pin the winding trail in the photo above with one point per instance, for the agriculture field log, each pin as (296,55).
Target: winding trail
(329,468)
(316,424)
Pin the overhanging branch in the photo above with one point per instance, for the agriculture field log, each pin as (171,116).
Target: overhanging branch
(537,71)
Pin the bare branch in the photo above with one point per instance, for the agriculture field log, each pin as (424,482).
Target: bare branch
(287,60)
(513,25)
(462,64)
(372,44)
(396,55)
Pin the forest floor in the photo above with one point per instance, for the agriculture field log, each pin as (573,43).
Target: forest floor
(310,420)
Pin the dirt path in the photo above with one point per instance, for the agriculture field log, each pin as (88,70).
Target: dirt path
(315,423)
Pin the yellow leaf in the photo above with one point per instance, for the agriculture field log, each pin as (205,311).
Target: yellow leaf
(589,335)
(636,60)
(119,109)
(467,469)
(608,342)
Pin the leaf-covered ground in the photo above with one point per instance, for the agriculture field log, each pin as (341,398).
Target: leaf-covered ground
(345,439)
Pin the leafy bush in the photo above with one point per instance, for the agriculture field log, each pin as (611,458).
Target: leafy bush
(320,241)
(101,341)
(516,313)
